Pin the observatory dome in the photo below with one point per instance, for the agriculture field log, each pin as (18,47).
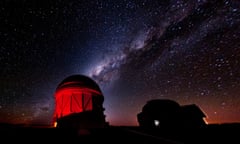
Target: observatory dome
(78,81)
(78,102)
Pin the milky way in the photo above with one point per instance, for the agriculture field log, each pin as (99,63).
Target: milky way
(187,51)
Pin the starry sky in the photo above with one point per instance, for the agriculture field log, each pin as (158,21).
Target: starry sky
(136,50)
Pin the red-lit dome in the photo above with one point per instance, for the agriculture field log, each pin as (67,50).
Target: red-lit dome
(77,94)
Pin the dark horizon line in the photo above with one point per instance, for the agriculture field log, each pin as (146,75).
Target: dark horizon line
(2,124)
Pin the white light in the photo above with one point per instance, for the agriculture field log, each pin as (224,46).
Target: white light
(55,124)
(156,122)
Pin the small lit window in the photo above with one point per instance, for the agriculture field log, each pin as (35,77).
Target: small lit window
(55,124)
(156,123)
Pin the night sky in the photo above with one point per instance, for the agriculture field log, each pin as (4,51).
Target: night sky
(136,50)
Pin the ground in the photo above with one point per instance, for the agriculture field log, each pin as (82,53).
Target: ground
(224,133)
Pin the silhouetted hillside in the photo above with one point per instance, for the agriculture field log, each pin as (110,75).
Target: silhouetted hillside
(214,133)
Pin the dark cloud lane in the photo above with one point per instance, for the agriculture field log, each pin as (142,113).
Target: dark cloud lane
(185,59)
(186,51)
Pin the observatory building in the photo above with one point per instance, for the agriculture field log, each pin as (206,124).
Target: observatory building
(168,114)
(79,103)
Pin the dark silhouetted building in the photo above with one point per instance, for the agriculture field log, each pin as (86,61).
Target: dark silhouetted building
(192,116)
(168,114)
(79,103)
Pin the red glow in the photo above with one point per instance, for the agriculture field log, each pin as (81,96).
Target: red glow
(73,100)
